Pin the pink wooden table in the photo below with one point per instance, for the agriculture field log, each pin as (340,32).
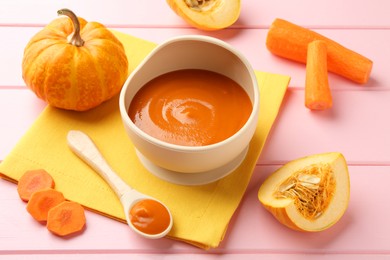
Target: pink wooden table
(358,126)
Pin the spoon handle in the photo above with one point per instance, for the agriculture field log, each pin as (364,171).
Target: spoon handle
(82,145)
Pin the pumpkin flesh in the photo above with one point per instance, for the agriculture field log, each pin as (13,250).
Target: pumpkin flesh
(207,15)
(308,194)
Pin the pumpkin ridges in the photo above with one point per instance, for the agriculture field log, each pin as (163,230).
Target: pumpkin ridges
(98,36)
(91,88)
(71,77)
(55,84)
(28,69)
(35,52)
(87,89)
(93,34)
(35,48)
(81,75)
(99,67)
(35,72)
(110,66)
(63,25)
(58,29)
(95,30)
(44,35)
(115,64)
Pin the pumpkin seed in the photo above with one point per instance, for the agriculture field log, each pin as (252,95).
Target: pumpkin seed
(199,5)
(313,179)
(280,195)
(311,188)
(309,185)
(192,3)
(287,186)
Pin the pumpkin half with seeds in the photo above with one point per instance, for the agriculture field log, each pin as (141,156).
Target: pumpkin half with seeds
(207,15)
(308,194)
(74,64)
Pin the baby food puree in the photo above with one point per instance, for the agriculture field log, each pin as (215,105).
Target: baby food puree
(190,107)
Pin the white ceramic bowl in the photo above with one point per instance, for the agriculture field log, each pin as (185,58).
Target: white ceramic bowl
(191,165)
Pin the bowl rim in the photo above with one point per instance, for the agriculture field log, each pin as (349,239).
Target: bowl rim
(255,104)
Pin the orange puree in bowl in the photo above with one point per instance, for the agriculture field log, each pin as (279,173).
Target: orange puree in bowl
(190,107)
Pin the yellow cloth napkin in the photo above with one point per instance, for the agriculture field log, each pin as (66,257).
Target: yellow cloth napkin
(201,213)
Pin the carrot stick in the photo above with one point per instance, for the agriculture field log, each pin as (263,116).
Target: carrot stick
(32,181)
(66,218)
(317,91)
(42,201)
(290,41)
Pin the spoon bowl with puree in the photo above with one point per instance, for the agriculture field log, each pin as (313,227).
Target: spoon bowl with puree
(147,216)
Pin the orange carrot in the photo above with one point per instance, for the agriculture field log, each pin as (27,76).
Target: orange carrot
(290,41)
(317,90)
(42,201)
(66,218)
(32,181)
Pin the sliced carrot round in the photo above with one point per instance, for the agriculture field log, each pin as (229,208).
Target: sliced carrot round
(66,218)
(32,181)
(42,201)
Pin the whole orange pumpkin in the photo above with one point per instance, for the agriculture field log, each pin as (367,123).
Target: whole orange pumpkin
(74,64)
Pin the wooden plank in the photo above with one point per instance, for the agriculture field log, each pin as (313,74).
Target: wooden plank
(357,126)
(362,230)
(251,42)
(179,256)
(354,126)
(254,13)
(252,230)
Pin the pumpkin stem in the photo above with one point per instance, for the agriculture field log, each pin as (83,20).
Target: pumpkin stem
(75,37)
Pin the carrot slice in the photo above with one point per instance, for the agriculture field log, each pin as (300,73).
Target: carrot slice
(290,41)
(66,218)
(42,201)
(32,181)
(317,91)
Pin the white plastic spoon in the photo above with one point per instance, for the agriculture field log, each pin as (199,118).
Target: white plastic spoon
(83,147)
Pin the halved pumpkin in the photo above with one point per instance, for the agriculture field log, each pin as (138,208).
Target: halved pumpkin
(308,194)
(207,15)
